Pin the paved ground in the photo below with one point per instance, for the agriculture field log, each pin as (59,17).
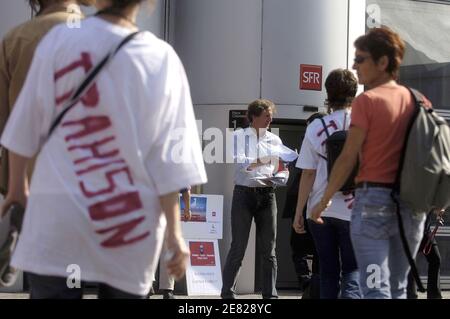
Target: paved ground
(283,294)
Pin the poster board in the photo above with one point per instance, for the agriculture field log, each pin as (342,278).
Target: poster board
(206,217)
(203,275)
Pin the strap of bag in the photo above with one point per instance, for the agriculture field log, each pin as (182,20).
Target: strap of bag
(328,135)
(345,121)
(325,127)
(418,102)
(85,84)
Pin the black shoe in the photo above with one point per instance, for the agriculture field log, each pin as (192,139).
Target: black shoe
(232,296)
(168,294)
(303,282)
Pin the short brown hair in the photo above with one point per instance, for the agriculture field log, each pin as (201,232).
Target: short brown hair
(341,86)
(120,4)
(383,42)
(37,4)
(256,107)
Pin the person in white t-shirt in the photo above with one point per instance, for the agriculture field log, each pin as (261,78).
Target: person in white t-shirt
(338,269)
(106,182)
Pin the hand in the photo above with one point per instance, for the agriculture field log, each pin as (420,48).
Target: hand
(11,198)
(187,214)
(317,211)
(178,257)
(299,223)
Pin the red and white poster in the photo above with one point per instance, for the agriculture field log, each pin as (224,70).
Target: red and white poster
(202,253)
(203,275)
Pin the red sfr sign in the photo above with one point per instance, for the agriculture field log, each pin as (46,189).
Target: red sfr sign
(310,77)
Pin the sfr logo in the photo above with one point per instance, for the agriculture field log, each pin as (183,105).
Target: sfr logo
(310,77)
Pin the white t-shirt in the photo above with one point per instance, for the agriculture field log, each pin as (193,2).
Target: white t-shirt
(309,158)
(94,194)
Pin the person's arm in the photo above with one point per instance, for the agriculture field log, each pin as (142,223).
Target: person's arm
(341,170)
(178,253)
(305,186)
(264,161)
(186,195)
(18,181)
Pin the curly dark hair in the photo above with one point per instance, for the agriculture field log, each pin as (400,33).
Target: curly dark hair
(256,107)
(341,86)
(383,42)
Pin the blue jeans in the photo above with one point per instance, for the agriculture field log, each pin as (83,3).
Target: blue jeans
(338,268)
(382,262)
(262,206)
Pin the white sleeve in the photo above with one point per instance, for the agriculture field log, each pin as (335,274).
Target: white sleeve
(174,160)
(308,158)
(27,127)
(241,159)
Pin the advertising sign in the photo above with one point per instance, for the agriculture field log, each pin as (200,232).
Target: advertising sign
(206,217)
(310,77)
(203,275)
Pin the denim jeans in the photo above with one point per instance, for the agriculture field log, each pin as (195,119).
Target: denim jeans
(53,287)
(338,268)
(377,243)
(246,205)
(302,247)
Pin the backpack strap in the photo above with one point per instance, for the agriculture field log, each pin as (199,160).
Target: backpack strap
(328,135)
(87,81)
(325,127)
(417,96)
(418,102)
(345,121)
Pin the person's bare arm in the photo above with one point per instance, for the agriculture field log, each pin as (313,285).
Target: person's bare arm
(178,251)
(264,161)
(186,196)
(305,186)
(18,181)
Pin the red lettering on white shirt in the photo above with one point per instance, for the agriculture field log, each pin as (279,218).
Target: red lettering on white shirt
(119,204)
(91,98)
(118,239)
(94,148)
(91,124)
(111,183)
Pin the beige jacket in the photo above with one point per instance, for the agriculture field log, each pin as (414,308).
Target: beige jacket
(16,54)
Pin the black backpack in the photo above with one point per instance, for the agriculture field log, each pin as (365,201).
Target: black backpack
(334,145)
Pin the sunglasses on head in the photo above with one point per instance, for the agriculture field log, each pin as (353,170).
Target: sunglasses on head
(360,59)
